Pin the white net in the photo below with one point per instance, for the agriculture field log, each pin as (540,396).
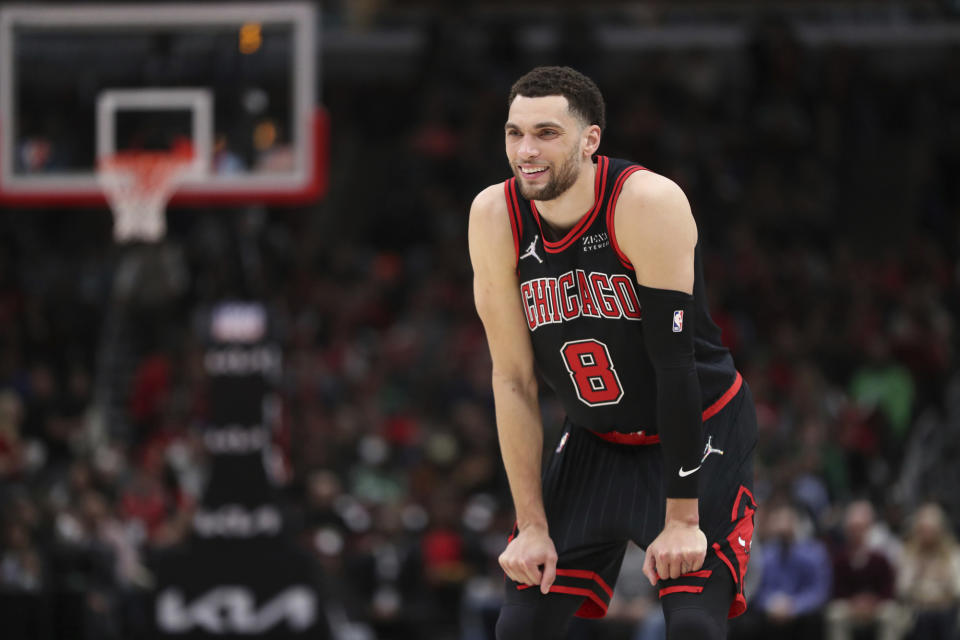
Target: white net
(138,185)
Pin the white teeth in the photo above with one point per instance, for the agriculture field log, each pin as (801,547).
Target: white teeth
(533,170)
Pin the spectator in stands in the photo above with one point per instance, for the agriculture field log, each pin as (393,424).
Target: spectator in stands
(85,565)
(24,608)
(145,502)
(884,384)
(863,581)
(794,583)
(928,576)
(445,557)
(21,566)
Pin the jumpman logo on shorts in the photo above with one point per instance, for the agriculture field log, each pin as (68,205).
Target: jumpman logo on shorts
(707,450)
(532,250)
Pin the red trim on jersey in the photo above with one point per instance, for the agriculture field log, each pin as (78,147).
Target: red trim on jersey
(723,400)
(599,186)
(599,608)
(595,607)
(705,573)
(738,606)
(516,207)
(743,530)
(638,437)
(741,538)
(577,573)
(641,438)
(680,588)
(588,575)
(516,226)
(612,207)
(736,503)
(687,588)
(733,572)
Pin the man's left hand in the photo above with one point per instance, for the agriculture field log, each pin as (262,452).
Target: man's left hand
(680,548)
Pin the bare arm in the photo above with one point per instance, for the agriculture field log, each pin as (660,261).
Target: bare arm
(497,297)
(656,230)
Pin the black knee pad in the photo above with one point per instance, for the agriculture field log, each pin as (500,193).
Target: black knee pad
(694,624)
(523,622)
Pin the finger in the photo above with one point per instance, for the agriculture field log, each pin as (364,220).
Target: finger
(516,573)
(507,569)
(549,573)
(531,573)
(675,566)
(649,569)
(695,562)
(663,566)
(512,569)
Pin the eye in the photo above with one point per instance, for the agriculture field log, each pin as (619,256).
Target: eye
(548,133)
(513,133)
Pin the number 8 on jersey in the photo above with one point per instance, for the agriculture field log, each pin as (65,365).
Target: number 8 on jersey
(592,372)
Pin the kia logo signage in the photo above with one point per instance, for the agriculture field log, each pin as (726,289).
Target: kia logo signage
(233,610)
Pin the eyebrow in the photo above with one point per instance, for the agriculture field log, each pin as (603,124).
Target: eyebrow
(539,125)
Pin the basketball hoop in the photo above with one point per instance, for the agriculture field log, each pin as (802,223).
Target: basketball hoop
(138,184)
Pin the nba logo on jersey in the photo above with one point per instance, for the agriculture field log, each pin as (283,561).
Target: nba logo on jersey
(678,321)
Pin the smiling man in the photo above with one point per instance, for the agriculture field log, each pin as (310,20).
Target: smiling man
(587,268)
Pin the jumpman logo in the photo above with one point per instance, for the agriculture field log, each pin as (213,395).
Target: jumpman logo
(532,250)
(707,450)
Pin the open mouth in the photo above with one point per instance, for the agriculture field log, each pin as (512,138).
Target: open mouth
(532,173)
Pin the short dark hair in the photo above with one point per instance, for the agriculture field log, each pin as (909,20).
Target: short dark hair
(582,94)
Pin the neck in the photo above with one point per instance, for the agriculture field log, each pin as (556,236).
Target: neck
(565,211)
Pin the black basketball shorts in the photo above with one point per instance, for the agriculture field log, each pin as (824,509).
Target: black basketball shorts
(599,495)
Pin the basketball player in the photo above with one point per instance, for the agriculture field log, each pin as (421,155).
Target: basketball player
(588,268)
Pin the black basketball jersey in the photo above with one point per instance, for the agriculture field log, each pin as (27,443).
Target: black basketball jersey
(580,300)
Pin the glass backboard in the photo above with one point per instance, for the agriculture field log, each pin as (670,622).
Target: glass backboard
(266,136)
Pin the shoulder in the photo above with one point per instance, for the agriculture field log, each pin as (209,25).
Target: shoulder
(654,198)
(489,203)
(651,213)
(489,229)
(488,212)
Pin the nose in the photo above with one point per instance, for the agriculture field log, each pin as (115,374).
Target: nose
(528,147)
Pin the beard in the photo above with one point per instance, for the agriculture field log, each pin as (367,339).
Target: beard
(561,179)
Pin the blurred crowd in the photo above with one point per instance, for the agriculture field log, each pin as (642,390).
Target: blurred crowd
(824,185)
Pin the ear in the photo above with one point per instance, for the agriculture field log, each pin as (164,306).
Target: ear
(591,140)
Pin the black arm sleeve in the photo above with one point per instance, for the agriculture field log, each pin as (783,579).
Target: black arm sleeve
(668,318)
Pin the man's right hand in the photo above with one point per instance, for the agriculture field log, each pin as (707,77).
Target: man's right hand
(524,556)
